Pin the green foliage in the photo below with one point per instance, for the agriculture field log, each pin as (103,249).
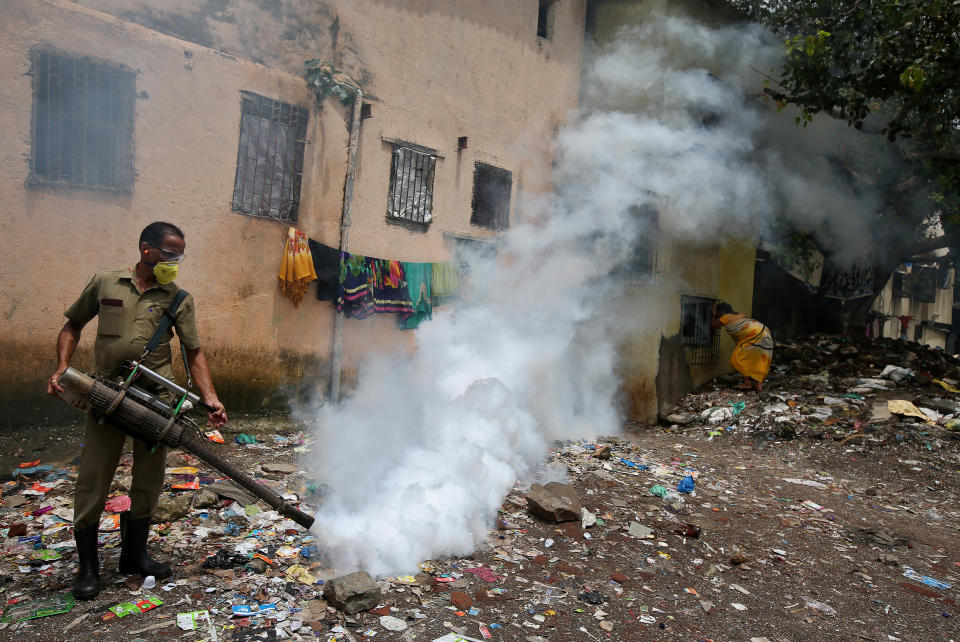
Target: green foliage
(329,81)
(913,77)
(887,67)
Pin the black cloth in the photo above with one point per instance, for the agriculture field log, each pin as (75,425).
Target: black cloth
(326,263)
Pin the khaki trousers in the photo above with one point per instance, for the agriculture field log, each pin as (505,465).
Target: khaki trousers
(102,447)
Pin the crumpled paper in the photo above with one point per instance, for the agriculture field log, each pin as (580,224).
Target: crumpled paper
(904,407)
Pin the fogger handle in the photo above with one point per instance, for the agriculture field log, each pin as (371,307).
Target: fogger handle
(170,385)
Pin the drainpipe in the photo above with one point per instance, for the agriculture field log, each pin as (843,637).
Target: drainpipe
(337,357)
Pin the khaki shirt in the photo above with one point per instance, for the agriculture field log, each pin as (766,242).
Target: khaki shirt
(128,319)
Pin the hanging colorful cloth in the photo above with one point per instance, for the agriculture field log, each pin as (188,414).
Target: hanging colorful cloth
(445,281)
(296,268)
(419,276)
(353,293)
(389,287)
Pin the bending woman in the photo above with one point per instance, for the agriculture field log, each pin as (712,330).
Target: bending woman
(754,351)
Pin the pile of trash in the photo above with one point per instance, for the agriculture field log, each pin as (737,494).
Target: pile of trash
(842,388)
(224,542)
(727,521)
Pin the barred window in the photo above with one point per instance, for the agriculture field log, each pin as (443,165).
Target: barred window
(411,183)
(701,339)
(643,262)
(491,196)
(82,123)
(269,158)
(901,285)
(924,285)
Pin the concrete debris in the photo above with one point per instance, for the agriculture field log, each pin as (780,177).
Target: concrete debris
(352,593)
(171,509)
(282,469)
(639,530)
(554,502)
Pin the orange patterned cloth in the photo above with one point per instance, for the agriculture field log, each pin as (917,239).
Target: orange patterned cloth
(296,269)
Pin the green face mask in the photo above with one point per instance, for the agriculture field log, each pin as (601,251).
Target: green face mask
(165,271)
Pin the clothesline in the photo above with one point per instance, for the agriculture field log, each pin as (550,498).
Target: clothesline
(362,285)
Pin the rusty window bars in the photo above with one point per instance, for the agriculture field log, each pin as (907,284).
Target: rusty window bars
(82,125)
(701,340)
(269,158)
(491,196)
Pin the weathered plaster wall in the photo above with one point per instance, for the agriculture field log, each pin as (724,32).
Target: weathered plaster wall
(432,73)
(654,366)
(186,132)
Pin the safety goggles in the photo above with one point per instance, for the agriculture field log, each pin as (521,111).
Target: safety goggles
(169,256)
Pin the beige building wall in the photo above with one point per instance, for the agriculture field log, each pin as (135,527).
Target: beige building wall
(655,367)
(431,73)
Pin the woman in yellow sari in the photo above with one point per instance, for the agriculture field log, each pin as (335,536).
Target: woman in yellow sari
(754,351)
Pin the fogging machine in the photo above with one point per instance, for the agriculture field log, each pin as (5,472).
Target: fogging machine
(144,416)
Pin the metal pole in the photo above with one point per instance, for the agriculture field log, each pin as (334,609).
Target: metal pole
(337,358)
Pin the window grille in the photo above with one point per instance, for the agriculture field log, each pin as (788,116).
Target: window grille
(411,184)
(269,158)
(701,340)
(925,285)
(82,123)
(901,285)
(491,196)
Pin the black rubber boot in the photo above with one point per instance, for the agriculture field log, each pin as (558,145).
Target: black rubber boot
(87,584)
(134,559)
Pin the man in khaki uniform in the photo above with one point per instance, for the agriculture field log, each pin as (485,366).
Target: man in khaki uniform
(129,303)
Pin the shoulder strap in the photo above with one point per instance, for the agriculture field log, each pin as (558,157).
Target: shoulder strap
(169,316)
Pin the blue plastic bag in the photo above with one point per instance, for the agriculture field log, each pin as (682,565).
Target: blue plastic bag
(686,485)
(926,579)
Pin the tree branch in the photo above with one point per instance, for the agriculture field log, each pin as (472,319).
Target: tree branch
(949,155)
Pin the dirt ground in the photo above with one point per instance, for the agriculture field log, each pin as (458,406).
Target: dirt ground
(799,528)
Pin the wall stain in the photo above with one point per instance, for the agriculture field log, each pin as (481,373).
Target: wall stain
(673,374)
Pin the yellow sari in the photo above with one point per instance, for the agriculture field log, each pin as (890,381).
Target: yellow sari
(296,268)
(754,350)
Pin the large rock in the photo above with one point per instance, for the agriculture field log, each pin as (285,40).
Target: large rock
(554,502)
(352,593)
(170,509)
(681,418)
(281,469)
(205,499)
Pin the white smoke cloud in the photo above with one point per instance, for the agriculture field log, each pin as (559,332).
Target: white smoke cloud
(418,460)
